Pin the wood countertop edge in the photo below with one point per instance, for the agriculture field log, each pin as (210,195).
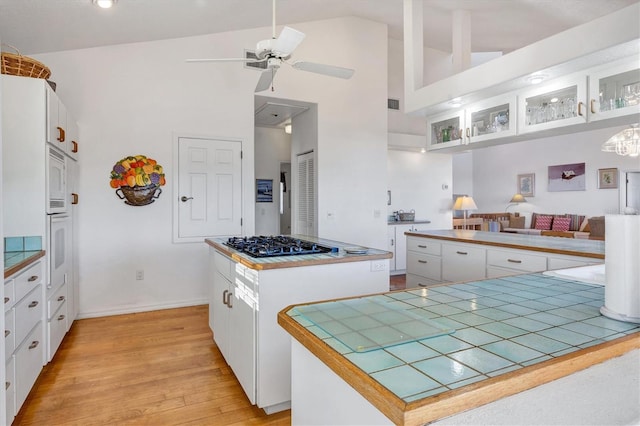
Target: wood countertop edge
(507,245)
(311,262)
(23,264)
(465,398)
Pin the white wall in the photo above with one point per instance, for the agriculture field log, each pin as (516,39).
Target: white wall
(495,171)
(273,146)
(416,181)
(131,99)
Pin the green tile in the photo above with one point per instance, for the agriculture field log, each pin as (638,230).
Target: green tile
(527,295)
(389,317)
(383,335)
(589,330)
(334,327)
(354,340)
(489,302)
(537,305)
(512,351)
(537,360)
(481,360)
(506,370)
(445,370)
(567,336)
(503,330)
(445,344)
(517,309)
(466,305)
(465,295)
(32,243)
(611,324)
(421,302)
(318,332)
(540,343)
(443,298)
(470,318)
(467,382)
(405,381)
(12,244)
(475,337)
(526,323)
(422,313)
(373,361)
(495,314)
(412,352)
(509,298)
(448,322)
(338,346)
(361,322)
(444,310)
(549,318)
(426,394)
(573,298)
(570,313)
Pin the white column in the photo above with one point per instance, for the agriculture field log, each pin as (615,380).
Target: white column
(413,46)
(461,40)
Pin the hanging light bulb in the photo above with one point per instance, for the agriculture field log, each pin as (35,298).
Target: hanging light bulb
(625,142)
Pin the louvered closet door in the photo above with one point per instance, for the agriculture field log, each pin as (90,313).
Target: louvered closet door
(306,199)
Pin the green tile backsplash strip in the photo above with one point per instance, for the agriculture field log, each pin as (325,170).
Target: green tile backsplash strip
(17,244)
(501,325)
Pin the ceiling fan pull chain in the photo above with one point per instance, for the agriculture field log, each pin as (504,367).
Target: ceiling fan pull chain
(273,20)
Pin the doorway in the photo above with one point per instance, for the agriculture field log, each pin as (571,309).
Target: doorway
(630,192)
(285,198)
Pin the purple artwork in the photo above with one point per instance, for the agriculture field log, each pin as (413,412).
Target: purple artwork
(567,177)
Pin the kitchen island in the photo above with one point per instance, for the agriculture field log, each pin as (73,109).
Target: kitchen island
(247,292)
(486,340)
(440,256)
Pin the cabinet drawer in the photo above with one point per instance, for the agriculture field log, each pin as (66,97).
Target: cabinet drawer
(10,389)
(516,260)
(463,263)
(223,264)
(424,245)
(9,294)
(497,272)
(413,281)
(56,300)
(28,359)
(424,265)
(27,313)
(9,334)
(27,280)
(56,329)
(567,262)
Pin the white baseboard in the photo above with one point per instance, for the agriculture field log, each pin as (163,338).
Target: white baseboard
(140,308)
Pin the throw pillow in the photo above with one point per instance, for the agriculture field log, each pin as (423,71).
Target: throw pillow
(561,224)
(584,226)
(576,221)
(543,222)
(516,222)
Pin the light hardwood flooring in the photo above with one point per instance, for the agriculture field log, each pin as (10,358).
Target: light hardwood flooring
(153,368)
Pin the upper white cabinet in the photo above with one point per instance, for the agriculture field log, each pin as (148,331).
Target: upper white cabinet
(614,91)
(445,130)
(62,130)
(491,119)
(559,103)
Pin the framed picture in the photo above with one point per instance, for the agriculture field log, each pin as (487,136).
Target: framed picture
(527,184)
(607,178)
(567,177)
(264,190)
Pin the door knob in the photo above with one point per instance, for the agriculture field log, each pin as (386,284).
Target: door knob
(184,198)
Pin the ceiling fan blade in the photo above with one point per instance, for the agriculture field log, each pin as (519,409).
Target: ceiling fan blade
(247,60)
(266,78)
(329,70)
(287,41)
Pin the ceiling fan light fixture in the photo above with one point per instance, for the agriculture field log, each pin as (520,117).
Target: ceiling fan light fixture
(105,4)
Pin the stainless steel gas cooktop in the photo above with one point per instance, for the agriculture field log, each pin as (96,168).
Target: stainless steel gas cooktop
(279,245)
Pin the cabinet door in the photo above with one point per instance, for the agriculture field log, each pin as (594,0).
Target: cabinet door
(56,121)
(491,119)
(614,91)
(29,360)
(462,262)
(445,130)
(72,145)
(220,313)
(391,246)
(559,103)
(401,246)
(242,347)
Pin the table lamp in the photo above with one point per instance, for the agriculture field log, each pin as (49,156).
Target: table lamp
(465,203)
(516,199)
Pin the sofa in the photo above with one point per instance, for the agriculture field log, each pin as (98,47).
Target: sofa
(552,225)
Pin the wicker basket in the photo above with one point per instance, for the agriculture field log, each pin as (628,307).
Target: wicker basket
(139,195)
(23,66)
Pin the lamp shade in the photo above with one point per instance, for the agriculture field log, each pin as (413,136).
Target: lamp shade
(465,203)
(518,198)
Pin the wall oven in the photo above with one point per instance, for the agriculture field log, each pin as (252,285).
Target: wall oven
(59,249)
(56,181)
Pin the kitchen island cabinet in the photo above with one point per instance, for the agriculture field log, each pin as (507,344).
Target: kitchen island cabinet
(499,343)
(463,255)
(247,293)
(398,242)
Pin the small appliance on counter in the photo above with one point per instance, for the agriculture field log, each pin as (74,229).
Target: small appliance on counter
(622,268)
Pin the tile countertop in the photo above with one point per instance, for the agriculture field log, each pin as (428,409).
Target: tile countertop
(407,222)
(17,260)
(278,262)
(558,245)
(511,334)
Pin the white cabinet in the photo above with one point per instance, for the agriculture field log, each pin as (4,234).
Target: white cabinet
(462,262)
(398,246)
(24,335)
(614,91)
(424,262)
(62,130)
(491,119)
(445,130)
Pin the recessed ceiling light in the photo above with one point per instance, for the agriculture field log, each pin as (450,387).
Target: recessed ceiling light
(455,103)
(536,78)
(105,4)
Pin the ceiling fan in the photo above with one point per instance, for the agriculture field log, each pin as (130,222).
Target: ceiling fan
(278,50)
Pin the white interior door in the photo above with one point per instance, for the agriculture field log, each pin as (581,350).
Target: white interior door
(306,195)
(209,196)
(631,190)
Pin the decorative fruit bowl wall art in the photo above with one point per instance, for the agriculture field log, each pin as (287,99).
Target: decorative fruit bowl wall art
(137,180)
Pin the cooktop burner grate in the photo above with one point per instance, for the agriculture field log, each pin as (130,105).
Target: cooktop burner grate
(279,245)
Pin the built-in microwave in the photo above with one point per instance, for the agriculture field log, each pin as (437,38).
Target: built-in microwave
(56,182)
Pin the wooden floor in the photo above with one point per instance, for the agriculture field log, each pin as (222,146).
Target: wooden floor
(152,368)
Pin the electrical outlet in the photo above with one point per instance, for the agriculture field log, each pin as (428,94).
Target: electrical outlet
(139,274)
(379,265)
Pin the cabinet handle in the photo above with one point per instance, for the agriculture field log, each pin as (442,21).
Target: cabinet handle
(392,242)
(33,304)
(7,385)
(61,317)
(7,332)
(34,344)
(74,148)
(462,252)
(421,246)
(32,278)
(593,106)
(514,261)
(230,300)
(468,133)
(580,109)
(224,297)
(6,299)
(422,261)
(61,298)
(60,134)
(74,198)
(422,285)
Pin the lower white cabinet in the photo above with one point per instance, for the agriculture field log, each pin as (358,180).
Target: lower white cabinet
(10,389)
(398,246)
(28,359)
(462,262)
(57,319)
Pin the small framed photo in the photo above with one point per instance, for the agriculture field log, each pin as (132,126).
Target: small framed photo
(264,190)
(607,178)
(526,184)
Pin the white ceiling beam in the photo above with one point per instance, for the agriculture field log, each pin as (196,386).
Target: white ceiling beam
(461,40)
